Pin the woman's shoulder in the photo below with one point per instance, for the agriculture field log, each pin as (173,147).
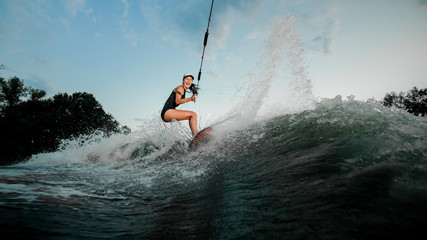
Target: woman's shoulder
(179,89)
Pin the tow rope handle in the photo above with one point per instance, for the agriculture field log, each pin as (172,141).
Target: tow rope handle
(205,42)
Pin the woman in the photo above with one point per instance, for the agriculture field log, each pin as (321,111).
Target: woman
(176,98)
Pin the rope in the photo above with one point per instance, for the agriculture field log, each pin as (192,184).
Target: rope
(205,42)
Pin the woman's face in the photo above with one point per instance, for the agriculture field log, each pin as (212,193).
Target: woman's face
(187,82)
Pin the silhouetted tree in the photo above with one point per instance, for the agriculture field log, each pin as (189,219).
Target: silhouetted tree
(36,125)
(414,101)
(11,91)
(36,94)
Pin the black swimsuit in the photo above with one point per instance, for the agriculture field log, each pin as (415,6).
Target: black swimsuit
(170,104)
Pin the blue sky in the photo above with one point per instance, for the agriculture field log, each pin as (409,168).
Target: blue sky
(130,54)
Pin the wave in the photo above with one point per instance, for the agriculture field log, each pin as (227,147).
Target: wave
(358,133)
(328,169)
(345,169)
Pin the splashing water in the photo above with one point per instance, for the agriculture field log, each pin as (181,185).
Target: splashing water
(328,170)
(299,95)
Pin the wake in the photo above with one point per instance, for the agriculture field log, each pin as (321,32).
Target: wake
(155,139)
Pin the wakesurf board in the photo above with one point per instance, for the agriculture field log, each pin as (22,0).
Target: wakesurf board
(201,138)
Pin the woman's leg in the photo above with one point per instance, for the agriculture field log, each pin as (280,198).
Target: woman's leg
(183,115)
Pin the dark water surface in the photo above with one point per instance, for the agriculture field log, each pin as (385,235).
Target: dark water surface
(344,170)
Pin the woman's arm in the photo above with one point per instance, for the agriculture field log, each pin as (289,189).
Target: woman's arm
(179,92)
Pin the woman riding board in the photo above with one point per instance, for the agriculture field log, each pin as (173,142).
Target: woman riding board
(176,98)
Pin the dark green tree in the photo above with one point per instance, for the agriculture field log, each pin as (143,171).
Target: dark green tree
(33,125)
(414,101)
(11,91)
(36,94)
(81,113)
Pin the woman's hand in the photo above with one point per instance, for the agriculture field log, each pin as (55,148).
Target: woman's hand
(193,98)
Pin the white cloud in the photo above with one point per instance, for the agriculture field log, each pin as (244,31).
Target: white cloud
(132,37)
(231,57)
(126,9)
(221,34)
(326,39)
(151,12)
(127,32)
(75,6)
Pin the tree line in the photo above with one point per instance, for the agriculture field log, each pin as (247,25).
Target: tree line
(413,101)
(30,123)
